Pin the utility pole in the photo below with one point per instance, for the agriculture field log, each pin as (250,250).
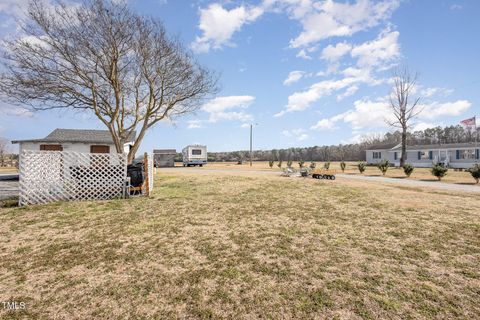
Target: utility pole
(251,153)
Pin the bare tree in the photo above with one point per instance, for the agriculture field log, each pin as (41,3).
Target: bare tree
(404,109)
(4,143)
(103,58)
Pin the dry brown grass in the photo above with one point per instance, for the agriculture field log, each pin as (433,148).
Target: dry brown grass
(214,245)
(422,174)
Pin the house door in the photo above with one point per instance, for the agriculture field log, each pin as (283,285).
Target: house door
(51,147)
(443,155)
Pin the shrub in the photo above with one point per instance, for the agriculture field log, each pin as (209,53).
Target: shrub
(270,163)
(475,172)
(289,163)
(327,165)
(342,166)
(301,163)
(383,166)
(408,169)
(279,164)
(361,166)
(439,171)
(312,165)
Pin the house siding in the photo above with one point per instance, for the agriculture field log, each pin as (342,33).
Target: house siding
(453,162)
(385,155)
(68,146)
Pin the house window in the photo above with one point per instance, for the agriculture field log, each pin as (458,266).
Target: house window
(99,149)
(196,152)
(51,147)
(467,154)
(377,155)
(424,155)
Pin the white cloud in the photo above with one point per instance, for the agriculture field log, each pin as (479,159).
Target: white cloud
(14,7)
(378,53)
(367,114)
(297,134)
(219,24)
(324,124)
(377,114)
(222,108)
(331,69)
(322,20)
(349,92)
(420,126)
(437,109)
(319,19)
(194,124)
(299,101)
(334,53)
(11,110)
(456,7)
(293,77)
(384,49)
(365,136)
(303,54)
(433,91)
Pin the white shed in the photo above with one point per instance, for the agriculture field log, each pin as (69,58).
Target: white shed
(78,140)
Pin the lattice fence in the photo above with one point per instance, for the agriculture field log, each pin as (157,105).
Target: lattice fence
(150,171)
(48,176)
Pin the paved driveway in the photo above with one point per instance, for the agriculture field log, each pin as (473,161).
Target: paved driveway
(404,182)
(8,186)
(8,189)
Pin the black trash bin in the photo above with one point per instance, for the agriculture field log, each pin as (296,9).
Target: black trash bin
(136,174)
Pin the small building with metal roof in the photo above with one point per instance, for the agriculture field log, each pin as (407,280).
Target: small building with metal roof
(79,140)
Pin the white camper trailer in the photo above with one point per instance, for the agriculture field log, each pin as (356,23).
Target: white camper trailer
(194,155)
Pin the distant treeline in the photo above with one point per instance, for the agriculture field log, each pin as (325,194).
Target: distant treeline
(348,152)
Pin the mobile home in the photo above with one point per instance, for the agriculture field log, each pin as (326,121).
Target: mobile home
(454,155)
(194,155)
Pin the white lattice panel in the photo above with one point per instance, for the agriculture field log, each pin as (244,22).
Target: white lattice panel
(150,172)
(49,176)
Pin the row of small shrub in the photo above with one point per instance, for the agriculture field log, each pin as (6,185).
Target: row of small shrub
(301,164)
(437,170)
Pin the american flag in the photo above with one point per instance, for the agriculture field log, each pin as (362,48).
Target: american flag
(469,122)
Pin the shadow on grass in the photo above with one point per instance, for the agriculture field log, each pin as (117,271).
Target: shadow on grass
(468,183)
(9,203)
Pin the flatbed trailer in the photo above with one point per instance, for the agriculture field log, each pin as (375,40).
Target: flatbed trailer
(328,174)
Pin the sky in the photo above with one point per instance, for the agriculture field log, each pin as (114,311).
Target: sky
(303,72)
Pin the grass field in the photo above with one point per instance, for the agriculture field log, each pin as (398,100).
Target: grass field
(422,174)
(217,245)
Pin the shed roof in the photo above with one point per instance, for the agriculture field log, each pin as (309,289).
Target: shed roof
(164,151)
(79,135)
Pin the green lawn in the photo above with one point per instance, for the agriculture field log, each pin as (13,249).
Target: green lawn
(241,246)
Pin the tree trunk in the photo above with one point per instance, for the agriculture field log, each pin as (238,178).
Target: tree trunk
(404,146)
(136,144)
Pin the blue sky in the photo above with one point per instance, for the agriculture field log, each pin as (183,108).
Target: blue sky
(305,72)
